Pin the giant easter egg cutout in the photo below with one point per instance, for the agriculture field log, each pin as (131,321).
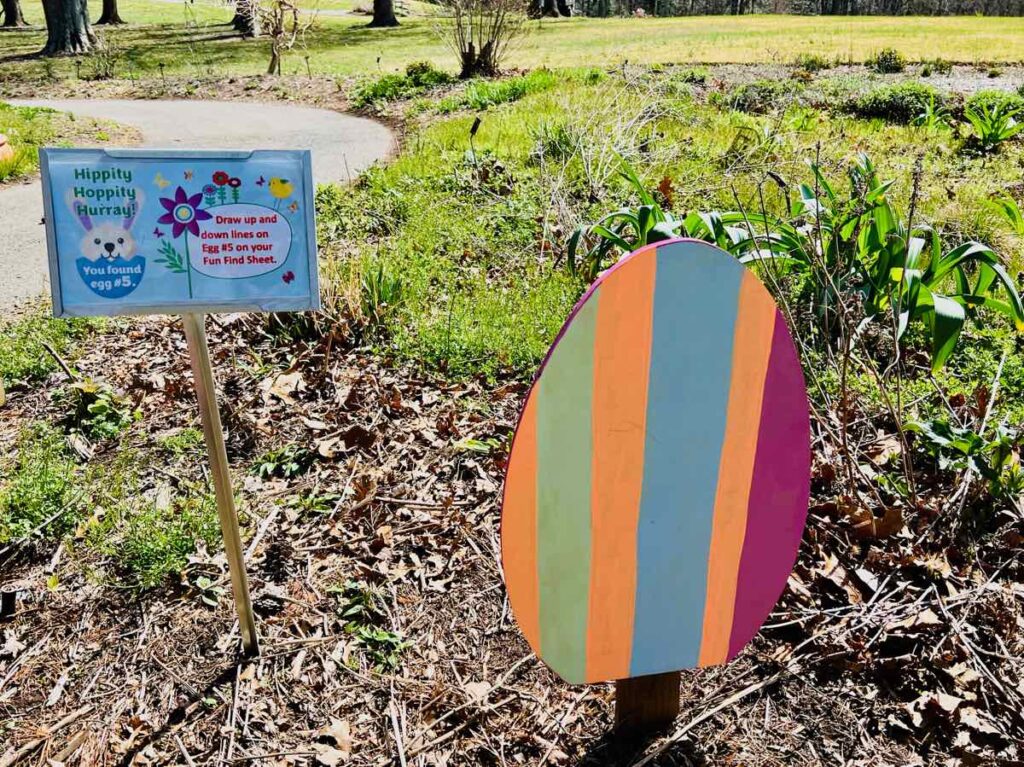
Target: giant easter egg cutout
(657,487)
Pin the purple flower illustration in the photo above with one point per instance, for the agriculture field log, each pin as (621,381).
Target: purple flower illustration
(183,212)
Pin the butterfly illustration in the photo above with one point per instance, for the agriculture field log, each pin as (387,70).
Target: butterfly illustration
(189,174)
(157,232)
(294,207)
(288,277)
(261,181)
(160,181)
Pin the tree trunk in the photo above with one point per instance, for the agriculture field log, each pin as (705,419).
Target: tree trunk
(67,28)
(109,14)
(383,14)
(12,13)
(247,18)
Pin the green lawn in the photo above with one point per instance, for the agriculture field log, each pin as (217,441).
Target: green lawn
(197,40)
(29,128)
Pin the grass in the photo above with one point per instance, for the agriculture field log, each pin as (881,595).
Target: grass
(469,232)
(23,357)
(151,539)
(39,495)
(146,536)
(29,128)
(196,41)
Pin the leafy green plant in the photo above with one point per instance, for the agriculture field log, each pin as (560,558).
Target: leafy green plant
(956,448)
(480,95)
(23,355)
(419,77)
(380,291)
(99,411)
(993,124)
(861,244)
(314,503)
(364,618)
(150,539)
(933,117)
(936,66)
(591,246)
(285,462)
(38,490)
(886,61)
(1008,208)
(811,62)
(692,76)
(182,442)
(991,97)
(760,96)
(209,592)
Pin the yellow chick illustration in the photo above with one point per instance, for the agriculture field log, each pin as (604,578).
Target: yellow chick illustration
(281,188)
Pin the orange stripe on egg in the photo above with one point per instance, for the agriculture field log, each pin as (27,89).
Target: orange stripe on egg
(751,349)
(622,356)
(519,525)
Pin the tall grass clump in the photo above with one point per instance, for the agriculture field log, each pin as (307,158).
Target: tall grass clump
(483,94)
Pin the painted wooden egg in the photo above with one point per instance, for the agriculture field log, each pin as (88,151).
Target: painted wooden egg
(657,488)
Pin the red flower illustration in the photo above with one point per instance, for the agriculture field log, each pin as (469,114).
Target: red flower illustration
(288,277)
(220,178)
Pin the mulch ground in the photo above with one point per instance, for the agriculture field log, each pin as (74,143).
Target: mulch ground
(891,646)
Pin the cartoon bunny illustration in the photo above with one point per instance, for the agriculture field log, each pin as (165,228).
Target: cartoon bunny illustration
(106,240)
(108,259)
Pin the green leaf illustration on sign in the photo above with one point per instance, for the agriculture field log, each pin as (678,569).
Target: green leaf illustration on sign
(171,258)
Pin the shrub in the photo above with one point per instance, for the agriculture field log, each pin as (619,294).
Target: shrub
(811,62)
(479,32)
(761,96)
(692,76)
(995,98)
(936,66)
(423,74)
(898,103)
(993,123)
(886,61)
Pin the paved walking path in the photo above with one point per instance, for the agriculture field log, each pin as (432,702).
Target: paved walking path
(342,146)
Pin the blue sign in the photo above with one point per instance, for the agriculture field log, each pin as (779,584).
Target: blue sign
(162,232)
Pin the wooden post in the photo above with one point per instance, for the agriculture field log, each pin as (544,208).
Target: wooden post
(206,392)
(646,704)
